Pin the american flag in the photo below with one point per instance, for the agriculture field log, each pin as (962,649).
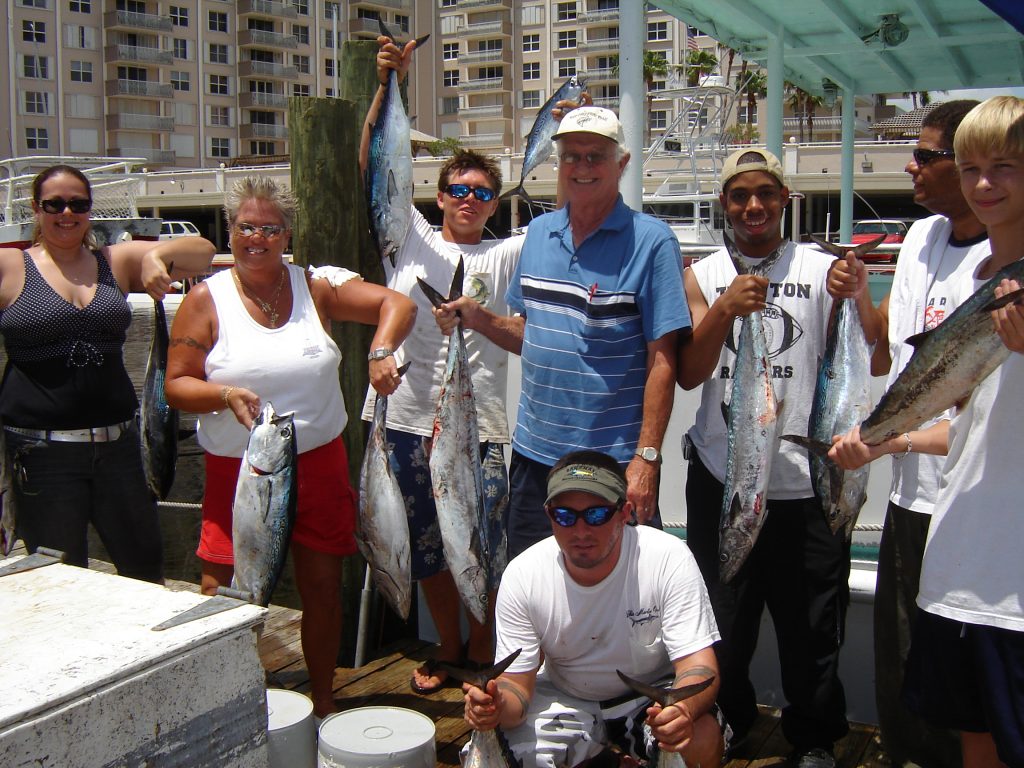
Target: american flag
(691,38)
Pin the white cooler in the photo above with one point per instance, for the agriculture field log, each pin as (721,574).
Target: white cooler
(85,681)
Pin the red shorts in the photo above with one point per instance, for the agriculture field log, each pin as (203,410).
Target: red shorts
(326,514)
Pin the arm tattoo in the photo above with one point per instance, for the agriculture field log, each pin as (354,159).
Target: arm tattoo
(699,671)
(514,690)
(188,341)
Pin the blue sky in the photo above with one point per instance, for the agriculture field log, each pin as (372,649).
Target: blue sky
(972,93)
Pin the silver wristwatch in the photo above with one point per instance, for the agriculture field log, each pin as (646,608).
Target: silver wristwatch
(380,353)
(650,454)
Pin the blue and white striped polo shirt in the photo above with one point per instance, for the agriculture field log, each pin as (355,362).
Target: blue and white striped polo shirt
(590,313)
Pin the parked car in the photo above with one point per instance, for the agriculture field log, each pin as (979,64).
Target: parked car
(895,230)
(172,229)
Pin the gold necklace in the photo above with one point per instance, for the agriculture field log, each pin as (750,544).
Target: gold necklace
(268,307)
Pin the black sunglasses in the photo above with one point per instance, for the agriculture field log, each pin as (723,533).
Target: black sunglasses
(459,191)
(924,156)
(58,204)
(593,516)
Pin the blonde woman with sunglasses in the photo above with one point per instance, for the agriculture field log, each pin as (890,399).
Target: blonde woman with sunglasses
(67,404)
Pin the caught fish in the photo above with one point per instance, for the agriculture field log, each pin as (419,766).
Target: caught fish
(382,528)
(487,749)
(158,422)
(8,507)
(752,418)
(666,697)
(455,470)
(949,361)
(389,184)
(264,508)
(538,143)
(842,399)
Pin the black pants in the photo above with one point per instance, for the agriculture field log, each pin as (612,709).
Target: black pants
(800,571)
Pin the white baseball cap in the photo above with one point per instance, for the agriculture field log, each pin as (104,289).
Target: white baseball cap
(597,120)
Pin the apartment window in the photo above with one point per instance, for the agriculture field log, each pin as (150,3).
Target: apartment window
(37,103)
(533,14)
(746,115)
(33,31)
(300,89)
(218,22)
(33,3)
(37,67)
(490,45)
(566,11)
(451,25)
(79,36)
(37,138)
(81,71)
(137,74)
(179,16)
(658,119)
(402,22)
(219,85)
(657,30)
(218,53)
(607,5)
(79,6)
(302,6)
(301,63)
(367,13)
(531,43)
(301,33)
(451,78)
(693,32)
(180,48)
(329,66)
(531,99)
(566,67)
(448,3)
(132,6)
(220,117)
(567,39)
(531,70)
(449,105)
(657,85)
(330,38)
(491,73)
(262,148)
(179,81)
(220,147)
(450,52)
(331,10)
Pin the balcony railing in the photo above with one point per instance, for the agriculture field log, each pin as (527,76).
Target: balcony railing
(129,121)
(267,8)
(132,20)
(267,68)
(152,156)
(250,99)
(502,28)
(139,88)
(250,37)
(486,111)
(597,17)
(144,53)
(401,5)
(483,140)
(479,5)
(482,57)
(599,75)
(263,131)
(486,84)
(608,102)
(599,44)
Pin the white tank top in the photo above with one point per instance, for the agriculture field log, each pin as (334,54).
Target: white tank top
(295,367)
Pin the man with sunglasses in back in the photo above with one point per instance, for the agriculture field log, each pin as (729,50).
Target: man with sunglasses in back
(936,251)
(600,595)
(468,187)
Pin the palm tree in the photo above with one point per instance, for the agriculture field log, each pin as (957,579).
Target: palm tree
(699,64)
(924,97)
(755,85)
(803,105)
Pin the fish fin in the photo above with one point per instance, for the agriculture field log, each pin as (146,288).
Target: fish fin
(835,484)
(384,30)
(1011,298)
(665,696)
(403,368)
(435,296)
(479,678)
(725,411)
(422,39)
(392,195)
(839,250)
(516,190)
(455,292)
(917,339)
(808,444)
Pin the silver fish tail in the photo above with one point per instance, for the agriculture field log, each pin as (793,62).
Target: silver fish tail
(158,422)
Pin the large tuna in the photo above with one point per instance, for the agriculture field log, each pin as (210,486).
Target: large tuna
(382,528)
(455,470)
(539,141)
(487,749)
(389,183)
(949,361)
(158,422)
(752,417)
(842,398)
(666,697)
(264,508)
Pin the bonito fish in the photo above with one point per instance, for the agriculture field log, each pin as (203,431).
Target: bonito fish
(842,399)
(264,508)
(8,514)
(539,142)
(455,470)
(666,697)
(752,418)
(389,184)
(158,422)
(949,361)
(382,528)
(487,749)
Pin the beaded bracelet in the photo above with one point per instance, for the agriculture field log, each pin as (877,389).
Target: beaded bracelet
(224,392)
(910,446)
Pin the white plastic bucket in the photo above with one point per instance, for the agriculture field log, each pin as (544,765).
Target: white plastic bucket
(377,737)
(291,731)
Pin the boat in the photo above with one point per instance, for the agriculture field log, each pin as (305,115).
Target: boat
(115,187)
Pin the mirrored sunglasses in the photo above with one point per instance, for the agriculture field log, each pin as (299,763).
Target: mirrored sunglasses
(59,204)
(924,156)
(459,191)
(269,231)
(593,516)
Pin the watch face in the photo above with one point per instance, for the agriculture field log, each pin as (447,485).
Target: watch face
(649,454)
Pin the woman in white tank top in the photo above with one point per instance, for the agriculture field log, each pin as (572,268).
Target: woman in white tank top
(257,333)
